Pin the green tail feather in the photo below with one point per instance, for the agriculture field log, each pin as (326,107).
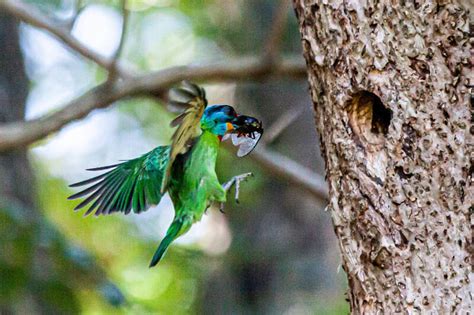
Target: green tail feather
(171,235)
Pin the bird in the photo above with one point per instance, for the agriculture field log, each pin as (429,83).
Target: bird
(185,168)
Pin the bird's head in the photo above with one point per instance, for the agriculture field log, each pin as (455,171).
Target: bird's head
(222,120)
(218,119)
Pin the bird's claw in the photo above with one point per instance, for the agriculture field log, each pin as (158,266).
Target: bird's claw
(236,180)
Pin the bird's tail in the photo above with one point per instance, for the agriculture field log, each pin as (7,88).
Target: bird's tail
(172,233)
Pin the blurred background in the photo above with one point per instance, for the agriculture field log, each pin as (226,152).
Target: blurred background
(274,253)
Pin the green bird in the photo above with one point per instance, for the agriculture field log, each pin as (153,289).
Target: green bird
(185,169)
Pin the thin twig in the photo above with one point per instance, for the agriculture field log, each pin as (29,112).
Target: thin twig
(287,169)
(78,8)
(114,71)
(34,17)
(281,124)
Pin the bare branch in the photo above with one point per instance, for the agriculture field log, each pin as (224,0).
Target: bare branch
(287,169)
(75,14)
(18,134)
(34,17)
(114,71)
(281,124)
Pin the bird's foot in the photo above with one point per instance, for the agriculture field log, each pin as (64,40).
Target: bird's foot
(234,181)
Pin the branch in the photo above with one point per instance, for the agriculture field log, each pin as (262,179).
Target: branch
(281,124)
(78,7)
(22,133)
(114,70)
(287,169)
(34,17)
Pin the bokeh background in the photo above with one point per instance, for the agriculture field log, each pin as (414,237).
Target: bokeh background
(274,253)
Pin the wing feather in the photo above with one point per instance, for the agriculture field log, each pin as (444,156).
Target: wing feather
(133,185)
(101,168)
(177,107)
(181,94)
(189,126)
(106,198)
(90,180)
(100,189)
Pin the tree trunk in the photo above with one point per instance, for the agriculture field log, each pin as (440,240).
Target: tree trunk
(389,82)
(16,176)
(15,173)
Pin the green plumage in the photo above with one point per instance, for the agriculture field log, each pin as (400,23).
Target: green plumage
(131,185)
(135,185)
(185,169)
(193,186)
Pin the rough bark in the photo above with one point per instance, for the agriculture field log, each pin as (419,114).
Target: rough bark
(389,81)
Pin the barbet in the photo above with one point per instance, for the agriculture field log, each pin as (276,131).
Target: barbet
(185,169)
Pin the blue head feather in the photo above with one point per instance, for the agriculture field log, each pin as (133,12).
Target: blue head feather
(216,117)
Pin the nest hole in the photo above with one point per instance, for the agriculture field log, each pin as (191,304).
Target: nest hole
(369,117)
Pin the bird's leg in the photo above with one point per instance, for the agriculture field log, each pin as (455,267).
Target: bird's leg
(234,181)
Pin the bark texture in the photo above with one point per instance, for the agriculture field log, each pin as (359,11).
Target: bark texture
(390,85)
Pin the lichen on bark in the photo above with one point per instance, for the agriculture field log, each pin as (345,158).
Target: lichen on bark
(390,84)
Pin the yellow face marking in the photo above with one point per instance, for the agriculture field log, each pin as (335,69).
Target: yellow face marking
(229,126)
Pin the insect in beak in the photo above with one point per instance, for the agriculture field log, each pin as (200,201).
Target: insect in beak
(246,134)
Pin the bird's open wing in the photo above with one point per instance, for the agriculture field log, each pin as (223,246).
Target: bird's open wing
(192,100)
(130,185)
